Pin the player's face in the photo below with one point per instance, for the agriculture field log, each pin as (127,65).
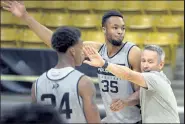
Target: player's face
(115,30)
(79,55)
(150,61)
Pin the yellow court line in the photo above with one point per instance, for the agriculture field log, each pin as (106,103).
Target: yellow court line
(30,79)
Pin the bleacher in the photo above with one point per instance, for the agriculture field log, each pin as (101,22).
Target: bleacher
(147,22)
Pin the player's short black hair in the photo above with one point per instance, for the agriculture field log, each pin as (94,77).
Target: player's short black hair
(109,14)
(65,37)
(31,113)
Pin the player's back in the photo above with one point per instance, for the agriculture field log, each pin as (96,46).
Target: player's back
(59,87)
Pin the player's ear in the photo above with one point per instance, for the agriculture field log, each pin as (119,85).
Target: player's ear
(161,65)
(72,51)
(104,30)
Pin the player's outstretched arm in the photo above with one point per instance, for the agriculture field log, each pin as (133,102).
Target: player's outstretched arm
(87,91)
(18,9)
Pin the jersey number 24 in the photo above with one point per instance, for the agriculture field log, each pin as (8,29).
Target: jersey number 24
(65,100)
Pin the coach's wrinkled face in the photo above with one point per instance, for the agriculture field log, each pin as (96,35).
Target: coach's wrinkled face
(114,30)
(79,55)
(150,61)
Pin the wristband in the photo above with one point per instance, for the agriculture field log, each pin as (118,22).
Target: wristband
(105,65)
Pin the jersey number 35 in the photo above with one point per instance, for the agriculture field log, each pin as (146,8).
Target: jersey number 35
(110,86)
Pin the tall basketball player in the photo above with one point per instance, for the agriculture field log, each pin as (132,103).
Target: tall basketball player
(114,51)
(68,90)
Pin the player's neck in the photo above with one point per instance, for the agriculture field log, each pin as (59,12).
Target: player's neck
(65,61)
(112,50)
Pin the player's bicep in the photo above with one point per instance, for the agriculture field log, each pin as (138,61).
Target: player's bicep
(135,58)
(88,94)
(135,62)
(89,101)
(135,87)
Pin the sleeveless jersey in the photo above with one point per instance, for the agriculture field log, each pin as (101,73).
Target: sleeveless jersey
(112,87)
(59,87)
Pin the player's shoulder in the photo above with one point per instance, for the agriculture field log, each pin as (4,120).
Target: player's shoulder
(85,85)
(43,75)
(85,81)
(133,46)
(134,56)
(134,50)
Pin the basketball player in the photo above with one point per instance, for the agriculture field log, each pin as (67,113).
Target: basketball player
(69,91)
(157,99)
(114,50)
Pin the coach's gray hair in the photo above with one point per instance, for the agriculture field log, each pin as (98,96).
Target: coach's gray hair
(158,49)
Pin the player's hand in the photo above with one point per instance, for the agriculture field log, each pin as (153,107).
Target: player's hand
(95,59)
(117,105)
(16,8)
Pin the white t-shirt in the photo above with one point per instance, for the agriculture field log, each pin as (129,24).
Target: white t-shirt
(158,102)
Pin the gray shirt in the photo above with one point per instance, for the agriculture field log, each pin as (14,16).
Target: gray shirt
(158,102)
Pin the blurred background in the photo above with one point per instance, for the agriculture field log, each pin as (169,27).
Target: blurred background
(24,56)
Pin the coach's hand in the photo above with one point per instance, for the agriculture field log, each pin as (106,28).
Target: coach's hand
(95,59)
(117,105)
(16,8)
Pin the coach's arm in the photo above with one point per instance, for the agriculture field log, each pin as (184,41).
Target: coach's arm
(126,73)
(119,71)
